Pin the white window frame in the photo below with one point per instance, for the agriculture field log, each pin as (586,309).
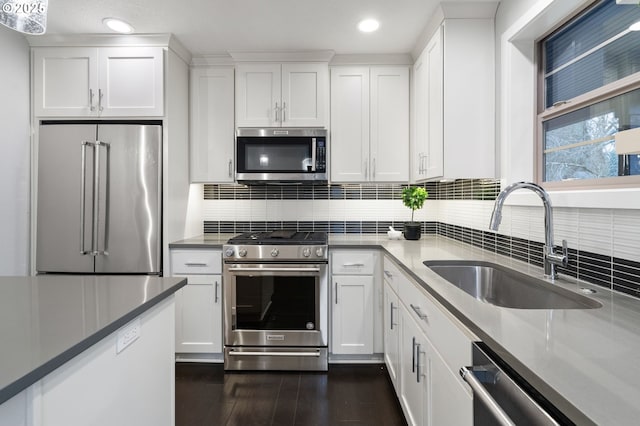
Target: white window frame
(619,87)
(517,119)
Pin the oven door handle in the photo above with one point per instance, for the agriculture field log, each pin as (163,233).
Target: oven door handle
(247,353)
(241,269)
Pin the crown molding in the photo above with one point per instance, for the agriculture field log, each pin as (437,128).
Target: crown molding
(283,56)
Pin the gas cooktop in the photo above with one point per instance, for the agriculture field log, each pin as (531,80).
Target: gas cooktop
(280,237)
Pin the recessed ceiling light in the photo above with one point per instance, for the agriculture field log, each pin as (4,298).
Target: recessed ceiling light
(118,25)
(368,25)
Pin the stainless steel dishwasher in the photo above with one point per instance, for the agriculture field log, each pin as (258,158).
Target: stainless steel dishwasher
(501,397)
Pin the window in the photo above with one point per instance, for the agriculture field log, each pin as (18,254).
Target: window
(590,74)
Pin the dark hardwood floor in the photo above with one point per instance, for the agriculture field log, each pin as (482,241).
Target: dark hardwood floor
(347,394)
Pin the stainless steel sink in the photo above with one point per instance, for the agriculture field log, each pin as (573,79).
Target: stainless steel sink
(501,286)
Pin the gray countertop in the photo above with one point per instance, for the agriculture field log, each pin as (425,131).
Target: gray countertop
(47,320)
(584,361)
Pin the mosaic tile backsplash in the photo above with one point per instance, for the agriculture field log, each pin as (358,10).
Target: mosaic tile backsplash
(603,246)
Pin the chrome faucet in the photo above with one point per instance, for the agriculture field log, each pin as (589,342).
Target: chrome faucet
(551,258)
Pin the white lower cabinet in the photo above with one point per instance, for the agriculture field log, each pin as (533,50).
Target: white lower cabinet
(391,333)
(424,348)
(199,303)
(352,331)
(413,374)
(199,315)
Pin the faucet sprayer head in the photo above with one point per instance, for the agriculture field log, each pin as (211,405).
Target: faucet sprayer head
(496,218)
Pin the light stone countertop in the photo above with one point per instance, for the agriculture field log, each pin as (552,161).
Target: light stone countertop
(47,320)
(585,361)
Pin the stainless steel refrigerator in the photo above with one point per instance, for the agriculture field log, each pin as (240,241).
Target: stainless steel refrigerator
(99,198)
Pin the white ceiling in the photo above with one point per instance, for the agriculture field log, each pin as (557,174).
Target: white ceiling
(208,27)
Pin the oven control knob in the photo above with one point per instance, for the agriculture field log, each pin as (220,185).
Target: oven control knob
(275,253)
(228,252)
(306,252)
(319,252)
(242,252)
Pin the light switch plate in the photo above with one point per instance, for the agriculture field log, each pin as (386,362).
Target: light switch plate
(127,335)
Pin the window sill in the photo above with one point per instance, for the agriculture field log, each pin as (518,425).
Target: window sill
(623,198)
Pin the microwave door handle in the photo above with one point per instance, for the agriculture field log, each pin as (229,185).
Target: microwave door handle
(313,154)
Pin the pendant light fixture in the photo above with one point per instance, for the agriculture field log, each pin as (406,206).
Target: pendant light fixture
(26,16)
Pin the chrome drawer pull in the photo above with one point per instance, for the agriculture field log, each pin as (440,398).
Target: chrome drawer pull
(195,264)
(418,312)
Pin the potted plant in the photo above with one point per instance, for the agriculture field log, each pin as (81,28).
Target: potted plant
(413,197)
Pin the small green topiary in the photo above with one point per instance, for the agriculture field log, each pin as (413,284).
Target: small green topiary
(414,197)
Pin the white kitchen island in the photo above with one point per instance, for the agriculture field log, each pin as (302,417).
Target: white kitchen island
(87,350)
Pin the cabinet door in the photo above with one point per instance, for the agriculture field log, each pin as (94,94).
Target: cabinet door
(352,306)
(131,81)
(434,162)
(411,379)
(65,81)
(349,124)
(391,334)
(450,401)
(258,90)
(420,141)
(212,125)
(199,315)
(304,95)
(389,124)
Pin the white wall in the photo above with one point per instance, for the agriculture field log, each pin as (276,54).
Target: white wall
(14,157)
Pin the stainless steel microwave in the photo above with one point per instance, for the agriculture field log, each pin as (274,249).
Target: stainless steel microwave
(281,155)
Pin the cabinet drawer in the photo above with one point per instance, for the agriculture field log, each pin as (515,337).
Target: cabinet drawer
(196,261)
(352,262)
(441,328)
(392,274)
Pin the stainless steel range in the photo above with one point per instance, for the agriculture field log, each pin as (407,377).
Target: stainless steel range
(275,301)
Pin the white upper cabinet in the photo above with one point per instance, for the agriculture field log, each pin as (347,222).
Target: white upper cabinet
(281,95)
(212,131)
(370,124)
(454,116)
(389,137)
(94,82)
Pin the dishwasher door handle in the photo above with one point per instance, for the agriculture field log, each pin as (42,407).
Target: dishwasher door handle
(484,396)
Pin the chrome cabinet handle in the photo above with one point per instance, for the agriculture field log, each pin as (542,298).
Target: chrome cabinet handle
(215,291)
(484,396)
(373,169)
(353,265)
(366,169)
(277,115)
(91,106)
(391,315)
(230,168)
(336,285)
(195,264)
(100,94)
(418,312)
(284,109)
(418,352)
(388,274)
(413,355)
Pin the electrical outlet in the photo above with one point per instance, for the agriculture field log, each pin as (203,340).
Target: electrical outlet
(127,335)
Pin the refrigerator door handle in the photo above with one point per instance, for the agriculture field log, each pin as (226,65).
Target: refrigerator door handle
(96,189)
(83,195)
